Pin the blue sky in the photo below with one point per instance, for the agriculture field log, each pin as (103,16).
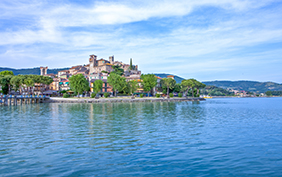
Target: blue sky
(202,39)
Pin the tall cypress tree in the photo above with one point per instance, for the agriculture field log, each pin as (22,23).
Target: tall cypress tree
(130,67)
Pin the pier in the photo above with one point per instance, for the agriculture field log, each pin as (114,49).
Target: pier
(7,100)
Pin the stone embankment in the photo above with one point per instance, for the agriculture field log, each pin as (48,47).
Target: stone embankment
(118,100)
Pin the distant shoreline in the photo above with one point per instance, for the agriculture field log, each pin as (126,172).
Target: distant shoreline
(118,100)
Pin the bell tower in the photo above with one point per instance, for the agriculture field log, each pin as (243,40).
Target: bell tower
(93,63)
(112,59)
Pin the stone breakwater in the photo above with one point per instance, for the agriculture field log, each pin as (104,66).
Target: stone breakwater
(116,100)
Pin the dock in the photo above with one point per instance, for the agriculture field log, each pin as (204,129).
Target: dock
(8,100)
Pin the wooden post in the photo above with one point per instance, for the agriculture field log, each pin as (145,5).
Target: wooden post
(15,100)
(6,101)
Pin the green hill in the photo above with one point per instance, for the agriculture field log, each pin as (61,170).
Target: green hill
(215,91)
(177,78)
(32,70)
(251,86)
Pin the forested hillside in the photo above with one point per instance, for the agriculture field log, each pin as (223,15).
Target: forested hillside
(31,70)
(251,86)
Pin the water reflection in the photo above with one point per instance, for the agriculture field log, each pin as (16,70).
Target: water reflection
(135,138)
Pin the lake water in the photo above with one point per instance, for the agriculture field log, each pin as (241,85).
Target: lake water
(217,137)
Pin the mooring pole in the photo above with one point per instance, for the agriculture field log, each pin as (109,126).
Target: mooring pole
(5,100)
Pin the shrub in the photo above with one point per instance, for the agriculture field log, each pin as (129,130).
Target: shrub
(171,95)
(141,95)
(106,95)
(63,91)
(180,95)
(65,95)
(93,95)
(158,95)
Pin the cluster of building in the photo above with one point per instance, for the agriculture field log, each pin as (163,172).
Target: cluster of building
(94,70)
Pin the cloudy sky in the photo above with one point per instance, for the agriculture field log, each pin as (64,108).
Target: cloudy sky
(202,39)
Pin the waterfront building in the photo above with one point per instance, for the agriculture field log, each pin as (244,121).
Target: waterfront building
(64,85)
(105,87)
(55,84)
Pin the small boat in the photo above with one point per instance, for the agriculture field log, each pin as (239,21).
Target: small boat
(207,97)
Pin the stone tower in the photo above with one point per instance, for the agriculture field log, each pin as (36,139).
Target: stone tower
(43,70)
(93,63)
(112,59)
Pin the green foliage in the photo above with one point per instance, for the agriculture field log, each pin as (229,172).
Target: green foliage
(168,83)
(104,71)
(19,81)
(32,71)
(253,86)
(274,93)
(177,88)
(98,85)
(122,94)
(117,82)
(5,82)
(106,95)
(179,95)
(93,95)
(158,95)
(171,95)
(65,95)
(63,91)
(216,91)
(130,66)
(132,86)
(117,70)
(78,83)
(268,93)
(192,84)
(5,73)
(149,81)
(141,95)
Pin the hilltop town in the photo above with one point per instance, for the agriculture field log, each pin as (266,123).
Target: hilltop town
(96,69)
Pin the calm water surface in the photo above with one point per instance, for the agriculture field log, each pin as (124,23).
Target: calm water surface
(218,137)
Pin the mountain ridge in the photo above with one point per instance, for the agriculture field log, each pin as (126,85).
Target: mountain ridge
(35,70)
(241,85)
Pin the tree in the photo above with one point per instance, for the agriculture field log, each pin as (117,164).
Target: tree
(149,81)
(98,85)
(5,78)
(130,66)
(117,70)
(29,82)
(177,88)
(114,81)
(122,84)
(5,83)
(132,86)
(17,82)
(169,83)
(186,86)
(198,85)
(78,83)
(5,73)
(268,93)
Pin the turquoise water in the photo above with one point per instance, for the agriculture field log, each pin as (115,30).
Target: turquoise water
(217,137)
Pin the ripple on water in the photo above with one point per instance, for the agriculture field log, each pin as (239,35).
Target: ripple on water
(218,137)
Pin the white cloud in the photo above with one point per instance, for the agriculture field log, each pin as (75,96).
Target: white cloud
(77,31)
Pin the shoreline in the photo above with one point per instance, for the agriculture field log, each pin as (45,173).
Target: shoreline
(118,100)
